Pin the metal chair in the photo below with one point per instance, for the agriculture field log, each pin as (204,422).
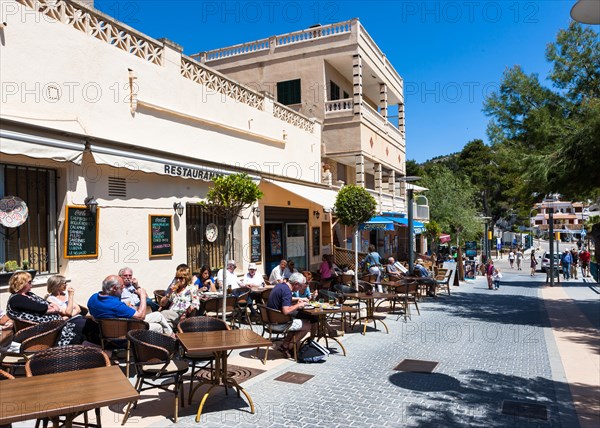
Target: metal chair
(277,324)
(66,359)
(32,339)
(199,324)
(241,305)
(443,280)
(408,294)
(153,355)
(113,333)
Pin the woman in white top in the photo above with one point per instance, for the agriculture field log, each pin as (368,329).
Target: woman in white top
(63,296)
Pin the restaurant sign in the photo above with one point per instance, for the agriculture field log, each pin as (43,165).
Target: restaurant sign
(191,172)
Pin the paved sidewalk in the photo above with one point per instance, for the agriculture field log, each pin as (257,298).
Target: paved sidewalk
(491,346)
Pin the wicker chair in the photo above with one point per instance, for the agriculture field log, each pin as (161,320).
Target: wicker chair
(5,375)
(406,295)
(196,324)
(32,339)
(113,335)
(241,304)
(153,355)
(442,280)
(214,308)
(21,324)
(276,324)
(66,359)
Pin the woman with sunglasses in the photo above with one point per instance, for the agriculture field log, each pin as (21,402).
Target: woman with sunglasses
(25,305)
(182,297)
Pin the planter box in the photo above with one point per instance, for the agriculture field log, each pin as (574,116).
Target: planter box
(5,276)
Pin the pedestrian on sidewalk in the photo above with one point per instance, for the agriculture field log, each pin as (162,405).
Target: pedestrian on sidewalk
(584,258)
(497,276)
(533,263)
(574,260)
(566,264)
(490,272)
(519,256)
(511,258)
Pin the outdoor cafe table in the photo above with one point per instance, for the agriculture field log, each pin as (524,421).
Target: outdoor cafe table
(67,393)
(369,299)
(321,313)
(219,342)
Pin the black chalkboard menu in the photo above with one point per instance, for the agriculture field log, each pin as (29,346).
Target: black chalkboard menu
(255,244)
(81,232)
(161,235)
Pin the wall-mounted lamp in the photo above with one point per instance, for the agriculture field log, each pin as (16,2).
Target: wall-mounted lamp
(285,135)
(316,214)
(91,203)
(178,208)
(256,212)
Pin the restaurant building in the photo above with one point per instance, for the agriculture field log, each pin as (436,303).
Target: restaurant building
(337,74)
(109,140)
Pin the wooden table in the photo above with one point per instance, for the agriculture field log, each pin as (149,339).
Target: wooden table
(63,394)
(369,299)
(219,342)
(322,331)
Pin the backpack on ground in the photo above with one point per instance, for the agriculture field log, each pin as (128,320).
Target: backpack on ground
(312,352)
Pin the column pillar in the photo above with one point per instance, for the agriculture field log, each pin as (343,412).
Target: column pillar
(357,84)
(401,117)
(383,100)
(378,179)
(360,170)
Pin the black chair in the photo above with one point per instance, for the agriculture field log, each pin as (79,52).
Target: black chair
(32,339)
(153,356)
(240,311)
(277,324)
(66,359)
(196,324)
(214,308)
(113,335)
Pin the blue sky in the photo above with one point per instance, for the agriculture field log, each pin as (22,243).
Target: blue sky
(450,53)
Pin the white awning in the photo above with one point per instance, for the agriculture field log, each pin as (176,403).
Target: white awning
(416,188)
(159,165)
(323,197)
(17,143)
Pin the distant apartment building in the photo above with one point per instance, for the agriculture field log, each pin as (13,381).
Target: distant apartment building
(337,74)
(568,218)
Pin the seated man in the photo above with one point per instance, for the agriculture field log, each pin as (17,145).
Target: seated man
(281,299)
(232,281)
(425,277)
(395,270)
(278,272)
(131,284)
(289,270)
(107,304)
(251,279)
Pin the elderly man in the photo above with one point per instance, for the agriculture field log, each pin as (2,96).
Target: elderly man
(281,299)
(232,281)
(108,304)
(425,277)
(129,295)
(278,272)
(395,269)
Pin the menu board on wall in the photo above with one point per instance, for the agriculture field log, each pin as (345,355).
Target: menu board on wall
(255,244)
(316,241)
(81,232)
(161,235)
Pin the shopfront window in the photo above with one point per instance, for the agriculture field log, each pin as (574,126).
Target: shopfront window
(35,241)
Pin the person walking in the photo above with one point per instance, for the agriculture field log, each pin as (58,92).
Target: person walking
(584,258)
(490,272)
(574,261)
(566,264)
(511,259)
(497,276)
(519,258)
(533,263)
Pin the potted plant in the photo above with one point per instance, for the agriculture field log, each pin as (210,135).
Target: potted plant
(10,266)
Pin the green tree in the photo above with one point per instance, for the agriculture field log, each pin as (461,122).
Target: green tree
(432,233)
(354,205)
(228,197)
(552,134)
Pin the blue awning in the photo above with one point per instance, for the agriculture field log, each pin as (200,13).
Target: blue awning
(387,223)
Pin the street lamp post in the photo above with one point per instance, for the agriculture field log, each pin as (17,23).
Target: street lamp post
(550,205)
(411,231)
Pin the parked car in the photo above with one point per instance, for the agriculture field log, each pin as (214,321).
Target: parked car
(545,261)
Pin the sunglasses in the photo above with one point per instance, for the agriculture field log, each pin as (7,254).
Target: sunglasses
(179,277)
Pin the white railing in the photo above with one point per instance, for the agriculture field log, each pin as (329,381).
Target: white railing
(339,105)
(198,73)
(281,40)
(292,117)
(99,26)
(378,120)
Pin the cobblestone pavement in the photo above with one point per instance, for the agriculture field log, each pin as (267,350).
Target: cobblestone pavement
(491,346)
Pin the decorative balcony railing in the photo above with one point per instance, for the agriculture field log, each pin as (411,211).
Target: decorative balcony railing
(290,116)
(99,26)
(344,105)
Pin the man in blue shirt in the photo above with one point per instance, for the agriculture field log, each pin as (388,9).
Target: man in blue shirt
(281,299)
(566,264)
(108,304)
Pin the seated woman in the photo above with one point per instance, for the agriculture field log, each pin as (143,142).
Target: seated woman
(302,294)
(326,269)
(204,281)
(182,299)
(28,306)
(69,310)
